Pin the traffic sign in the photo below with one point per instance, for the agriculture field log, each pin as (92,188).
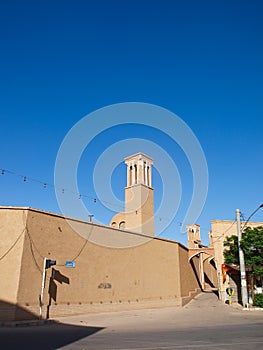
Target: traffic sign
(70,264)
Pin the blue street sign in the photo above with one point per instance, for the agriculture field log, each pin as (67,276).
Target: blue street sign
(70,264)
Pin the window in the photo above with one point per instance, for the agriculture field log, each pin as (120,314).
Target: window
(135,174)
(122,225)
(130,176)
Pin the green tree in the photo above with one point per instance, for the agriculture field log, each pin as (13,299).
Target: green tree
(252,245)
(231,253)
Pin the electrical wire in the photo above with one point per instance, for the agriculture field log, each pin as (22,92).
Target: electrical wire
(33,244)
(80,196)
(84,245)
(33,256)
(45,184)
(223,234)
(13,245)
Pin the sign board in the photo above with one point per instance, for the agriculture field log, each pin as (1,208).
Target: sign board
(70,264)
(230,291)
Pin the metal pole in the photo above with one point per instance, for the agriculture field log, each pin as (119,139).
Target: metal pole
(90,217)
(243,278)
(202,271)
(42,289)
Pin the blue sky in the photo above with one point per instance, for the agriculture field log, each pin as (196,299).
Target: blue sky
(202,60)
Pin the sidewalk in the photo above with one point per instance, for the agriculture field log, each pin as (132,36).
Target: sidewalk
(203,310)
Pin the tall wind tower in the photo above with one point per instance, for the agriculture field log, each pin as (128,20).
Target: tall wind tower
(139,197)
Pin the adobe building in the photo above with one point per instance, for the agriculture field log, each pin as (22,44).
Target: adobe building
(98,268)
(146,273)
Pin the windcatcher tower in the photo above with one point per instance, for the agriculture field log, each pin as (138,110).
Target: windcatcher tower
(194,240)
(139,197)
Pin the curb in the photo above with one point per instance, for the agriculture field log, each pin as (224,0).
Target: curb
(32,323)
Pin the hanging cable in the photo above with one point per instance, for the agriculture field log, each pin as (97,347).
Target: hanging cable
(80,196)
(13,245)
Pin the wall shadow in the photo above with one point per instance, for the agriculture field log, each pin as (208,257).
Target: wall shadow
(49,336)
(20,328)
(12,312)
(196,274)
(208,281)
(235,282)
(56,276)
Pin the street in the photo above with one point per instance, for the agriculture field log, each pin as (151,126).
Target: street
(205,323)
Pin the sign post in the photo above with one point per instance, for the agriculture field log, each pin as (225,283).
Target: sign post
(42,289)
(230,291)
(47,264)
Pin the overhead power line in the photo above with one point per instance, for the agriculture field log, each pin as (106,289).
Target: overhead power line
(80,196)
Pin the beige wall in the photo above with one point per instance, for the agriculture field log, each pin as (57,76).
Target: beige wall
(187,275)
(144,270)
(12,233)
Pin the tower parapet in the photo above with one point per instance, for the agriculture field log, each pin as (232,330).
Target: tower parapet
(139,170)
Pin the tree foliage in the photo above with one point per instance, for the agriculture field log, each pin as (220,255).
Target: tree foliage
(252,245)
(258,300)
(231,253)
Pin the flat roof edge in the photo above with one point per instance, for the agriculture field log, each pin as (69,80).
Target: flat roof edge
(90,223)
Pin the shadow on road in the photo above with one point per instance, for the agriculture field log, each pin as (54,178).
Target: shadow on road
(50,336)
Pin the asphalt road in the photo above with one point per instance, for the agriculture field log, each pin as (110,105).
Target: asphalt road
(205,323)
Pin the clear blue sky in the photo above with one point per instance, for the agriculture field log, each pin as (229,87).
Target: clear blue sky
(202,60)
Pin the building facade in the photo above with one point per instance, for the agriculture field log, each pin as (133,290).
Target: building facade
(144,271)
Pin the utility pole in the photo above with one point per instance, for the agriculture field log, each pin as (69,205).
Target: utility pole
(242,267)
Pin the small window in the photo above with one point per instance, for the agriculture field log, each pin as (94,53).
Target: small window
(122,225)
(113,224)
(130,176)
(135,173)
